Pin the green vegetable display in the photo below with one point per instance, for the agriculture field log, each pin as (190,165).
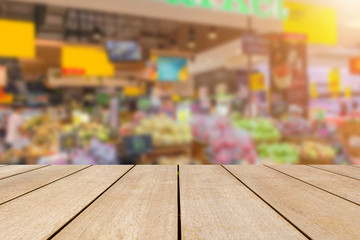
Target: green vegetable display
(262,130)
(280,153)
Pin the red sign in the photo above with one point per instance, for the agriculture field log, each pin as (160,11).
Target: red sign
(73,71)
(295,37)
(355,65)
(2,92)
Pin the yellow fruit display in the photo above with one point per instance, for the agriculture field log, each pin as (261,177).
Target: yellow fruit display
(165,131)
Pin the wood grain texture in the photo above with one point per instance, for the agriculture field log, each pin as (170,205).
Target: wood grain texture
(319,214)
(142,205)
(348,171)
(12,170)
(41,213)
(215,205)
(342,186)
(20,184)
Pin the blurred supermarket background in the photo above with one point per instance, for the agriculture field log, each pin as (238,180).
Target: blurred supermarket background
(179,82)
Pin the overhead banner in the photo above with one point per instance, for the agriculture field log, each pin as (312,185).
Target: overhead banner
(84,60)
(17,39)
(317,22)
(259,8)
(288,70)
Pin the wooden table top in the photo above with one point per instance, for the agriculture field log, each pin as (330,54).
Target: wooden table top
(180,202)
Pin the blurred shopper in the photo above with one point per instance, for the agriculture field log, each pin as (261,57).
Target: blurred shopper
(252,108)
(4,113)
(355,113)
(343,110)
(14,131)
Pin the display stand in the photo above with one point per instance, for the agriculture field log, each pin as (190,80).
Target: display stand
(350,137)
(160,151)
(199,151)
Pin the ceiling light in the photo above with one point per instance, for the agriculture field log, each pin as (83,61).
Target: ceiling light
(97,34)
(191,44)
(212,34)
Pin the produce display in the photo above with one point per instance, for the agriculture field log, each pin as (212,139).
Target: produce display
(317,152)
(33,122)
(297,128)
(164,130)
(280,153)
(88,131)
(44,139)
(262,130)
(227,145)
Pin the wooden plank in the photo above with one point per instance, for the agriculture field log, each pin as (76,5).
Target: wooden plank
(339,185)
(215,205)
(142,205)
(347,171)
(20,184)
(319,214)
(39,214)
(12,170)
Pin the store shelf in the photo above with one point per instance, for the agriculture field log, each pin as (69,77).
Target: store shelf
(180,202)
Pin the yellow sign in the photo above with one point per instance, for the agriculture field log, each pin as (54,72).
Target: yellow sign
(7,98)
(17,39)
(175,98)
(348,92)
(334,81)
(317,22)
(133,91)
(313,91)
(257,82)
(92,60)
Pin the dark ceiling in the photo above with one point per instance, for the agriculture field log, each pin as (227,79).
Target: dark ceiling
(73,25)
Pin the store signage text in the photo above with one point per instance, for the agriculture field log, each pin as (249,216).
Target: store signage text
(260,8)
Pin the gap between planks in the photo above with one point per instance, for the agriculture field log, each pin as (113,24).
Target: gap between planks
(82,210)
(346,171)
(313,185)
(41,185)
(319,214)
(267,203)
(12,170)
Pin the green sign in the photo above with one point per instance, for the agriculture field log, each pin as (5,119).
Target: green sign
(138,144)
(260,8)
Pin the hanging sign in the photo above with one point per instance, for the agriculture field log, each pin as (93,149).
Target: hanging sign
(348,92)
(257,82)
(259,8)
(313,90)
(17,39)
(334,81)
(355,65)
(84,60)
(288,71)
(317,22)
